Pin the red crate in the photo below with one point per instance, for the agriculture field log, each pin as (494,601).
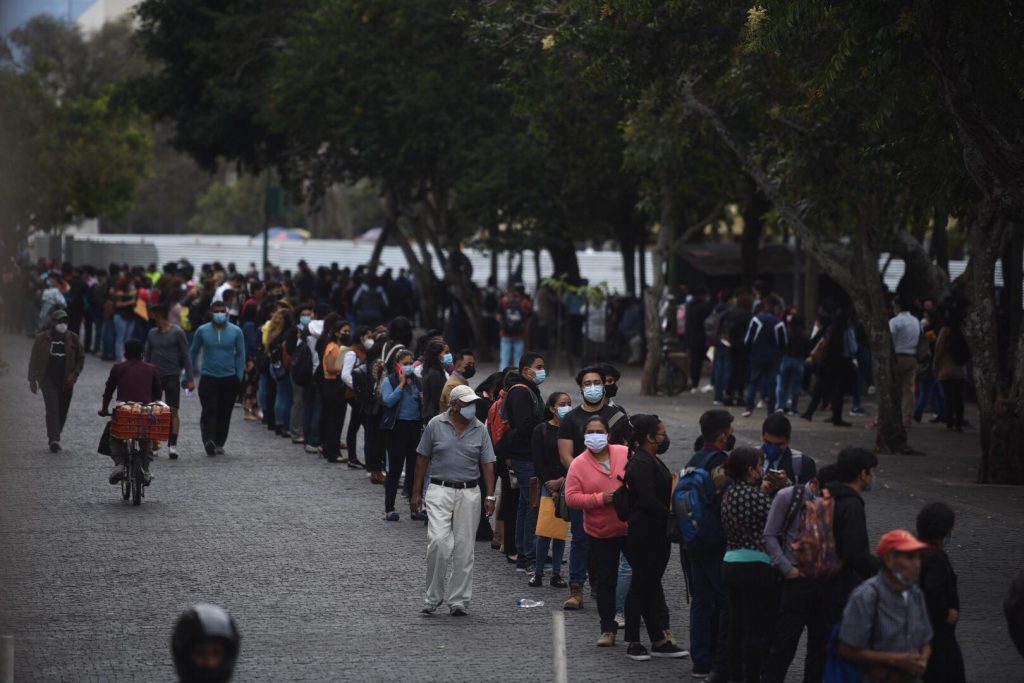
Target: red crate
(137,421)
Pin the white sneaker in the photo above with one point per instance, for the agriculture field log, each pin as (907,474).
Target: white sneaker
(172,452)
(147,478)
(312,449)
(620,619)
(748,413)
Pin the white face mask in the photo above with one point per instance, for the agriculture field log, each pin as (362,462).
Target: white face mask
(595,443)
(468,412)
(368,344)
(60,328)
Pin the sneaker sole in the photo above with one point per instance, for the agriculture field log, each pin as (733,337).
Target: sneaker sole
(639,658)
(674,655)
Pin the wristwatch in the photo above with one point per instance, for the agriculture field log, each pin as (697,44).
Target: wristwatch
(491,498)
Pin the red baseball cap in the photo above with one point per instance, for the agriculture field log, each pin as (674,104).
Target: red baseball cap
(900,540)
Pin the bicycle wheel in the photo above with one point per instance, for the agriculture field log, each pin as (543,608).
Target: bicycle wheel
(126,487)
(137,482)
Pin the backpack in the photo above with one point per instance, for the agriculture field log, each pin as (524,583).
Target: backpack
(512,318)
(622,499)
(302,364)
(696,504)
(712,324)
(497,420)
(814,550)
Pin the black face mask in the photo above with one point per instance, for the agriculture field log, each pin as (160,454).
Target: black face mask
(469,371)
(663,446)
(610,390)
(345,339)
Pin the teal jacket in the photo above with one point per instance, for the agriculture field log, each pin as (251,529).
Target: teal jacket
(223,350)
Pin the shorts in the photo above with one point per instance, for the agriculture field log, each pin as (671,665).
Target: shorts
(172,390)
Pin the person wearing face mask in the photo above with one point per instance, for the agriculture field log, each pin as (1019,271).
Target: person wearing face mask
(783,466)
(749,578)
(354,359)
(649,485)
(551,475)
(55,364)
(400,393)
(222,346)
(702,558)
(332,390)
(456,449)
(299,335)
(437,358)
(885,624)
(524,410)
(463,370)
(591,381)
(939,583)
(855,469)
(590,484)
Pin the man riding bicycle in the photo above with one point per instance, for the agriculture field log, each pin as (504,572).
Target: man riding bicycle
(135,381)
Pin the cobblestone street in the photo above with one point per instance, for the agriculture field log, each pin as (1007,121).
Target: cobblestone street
(324,590)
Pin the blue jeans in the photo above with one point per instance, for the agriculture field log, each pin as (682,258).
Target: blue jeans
(709,609)
(625,578)
(791,378)
(312,408)
(543,543)
(511,350)
(122,333)
(929,391)
(283,403)
(263,394)
(579,551)
(762,379)
(721,372)
(108,336)
(526,519)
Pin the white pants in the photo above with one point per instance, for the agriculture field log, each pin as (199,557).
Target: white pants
(453,515)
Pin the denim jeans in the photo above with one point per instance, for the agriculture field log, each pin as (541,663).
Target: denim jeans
(791,379)
(541,548)
(625,578)
(762,379)
(930,392)
(108,335)
(263,394)
(579,549)
(721,372)
(283,403)
(122,333)
(311,414)
(526,518)
(709,609)
(511,350)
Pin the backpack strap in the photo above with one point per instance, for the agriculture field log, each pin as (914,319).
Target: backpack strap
(615,419)
(794,507)
(798,464)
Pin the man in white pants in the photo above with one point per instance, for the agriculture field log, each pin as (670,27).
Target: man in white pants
(457,449)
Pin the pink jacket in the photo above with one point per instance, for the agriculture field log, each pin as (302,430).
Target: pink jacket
(585,485)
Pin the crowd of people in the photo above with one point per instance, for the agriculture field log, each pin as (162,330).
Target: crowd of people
(764,354)
(770,543)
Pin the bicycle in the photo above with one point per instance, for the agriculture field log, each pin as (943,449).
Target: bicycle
(134,424)
(671,377)
(133,482)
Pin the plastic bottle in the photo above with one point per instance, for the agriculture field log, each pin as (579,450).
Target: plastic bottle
(526,602)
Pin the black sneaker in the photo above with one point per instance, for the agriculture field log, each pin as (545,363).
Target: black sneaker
(459,612)
(219,450)
(536,581)
(558,582)
(55,446)
(637,652)
(211,448)
(668,649)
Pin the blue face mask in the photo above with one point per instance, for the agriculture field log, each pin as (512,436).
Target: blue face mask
(542,375)
(772,452)
(407,369)
(563,411)
(220,318)
(447,359)
(594,393)
(305,320)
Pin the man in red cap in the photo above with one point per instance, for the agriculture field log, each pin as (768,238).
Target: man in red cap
(885,625)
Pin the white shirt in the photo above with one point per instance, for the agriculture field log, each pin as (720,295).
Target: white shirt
(906,332)
(351,362)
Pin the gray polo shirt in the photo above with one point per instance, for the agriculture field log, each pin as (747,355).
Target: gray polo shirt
(454,457)
(879,617)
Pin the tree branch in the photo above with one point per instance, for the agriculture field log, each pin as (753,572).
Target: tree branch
(697,227)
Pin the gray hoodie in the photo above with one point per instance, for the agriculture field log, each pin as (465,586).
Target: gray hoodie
(778,541)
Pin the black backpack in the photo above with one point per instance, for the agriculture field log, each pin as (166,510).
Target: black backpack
(512,317)
(302,364)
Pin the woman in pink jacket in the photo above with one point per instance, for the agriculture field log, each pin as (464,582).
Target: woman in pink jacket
(592,479)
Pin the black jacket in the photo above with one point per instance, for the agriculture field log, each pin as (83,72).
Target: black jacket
(649,483)
(546,464)
(522,409)
(433,382)
(849,524)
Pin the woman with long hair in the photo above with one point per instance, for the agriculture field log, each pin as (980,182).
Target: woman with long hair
(551,475)
(436,359)
(332,414)
(355,358)
(278,331)
(950,364)
(400,393)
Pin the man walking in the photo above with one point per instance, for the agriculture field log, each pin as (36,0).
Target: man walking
(221,371)
(766,338)
(56,362)
(167,349)
(513,312)
(906,333)
(456,448)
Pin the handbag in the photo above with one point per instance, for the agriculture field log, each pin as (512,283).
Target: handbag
(561,506)
(104,447)
(549,525)
(534,493)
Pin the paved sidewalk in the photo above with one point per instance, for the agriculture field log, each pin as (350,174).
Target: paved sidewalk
(323,590)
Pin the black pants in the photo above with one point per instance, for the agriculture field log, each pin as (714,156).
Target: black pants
(696,354)
(57,401)
(373,443)
(354,422)
(801,604)
(648,557)
(751,587)
(332,418)
(401,442)
(953,390)
(217,396)
(604,552)
(509,510)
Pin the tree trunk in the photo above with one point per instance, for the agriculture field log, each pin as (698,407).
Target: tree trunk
(427,286)
(652,295)
(939,251)
(390,219)
(459,273)
(753,226)
(564,261)
(1000,401)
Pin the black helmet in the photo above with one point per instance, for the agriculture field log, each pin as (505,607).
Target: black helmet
(204,623)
